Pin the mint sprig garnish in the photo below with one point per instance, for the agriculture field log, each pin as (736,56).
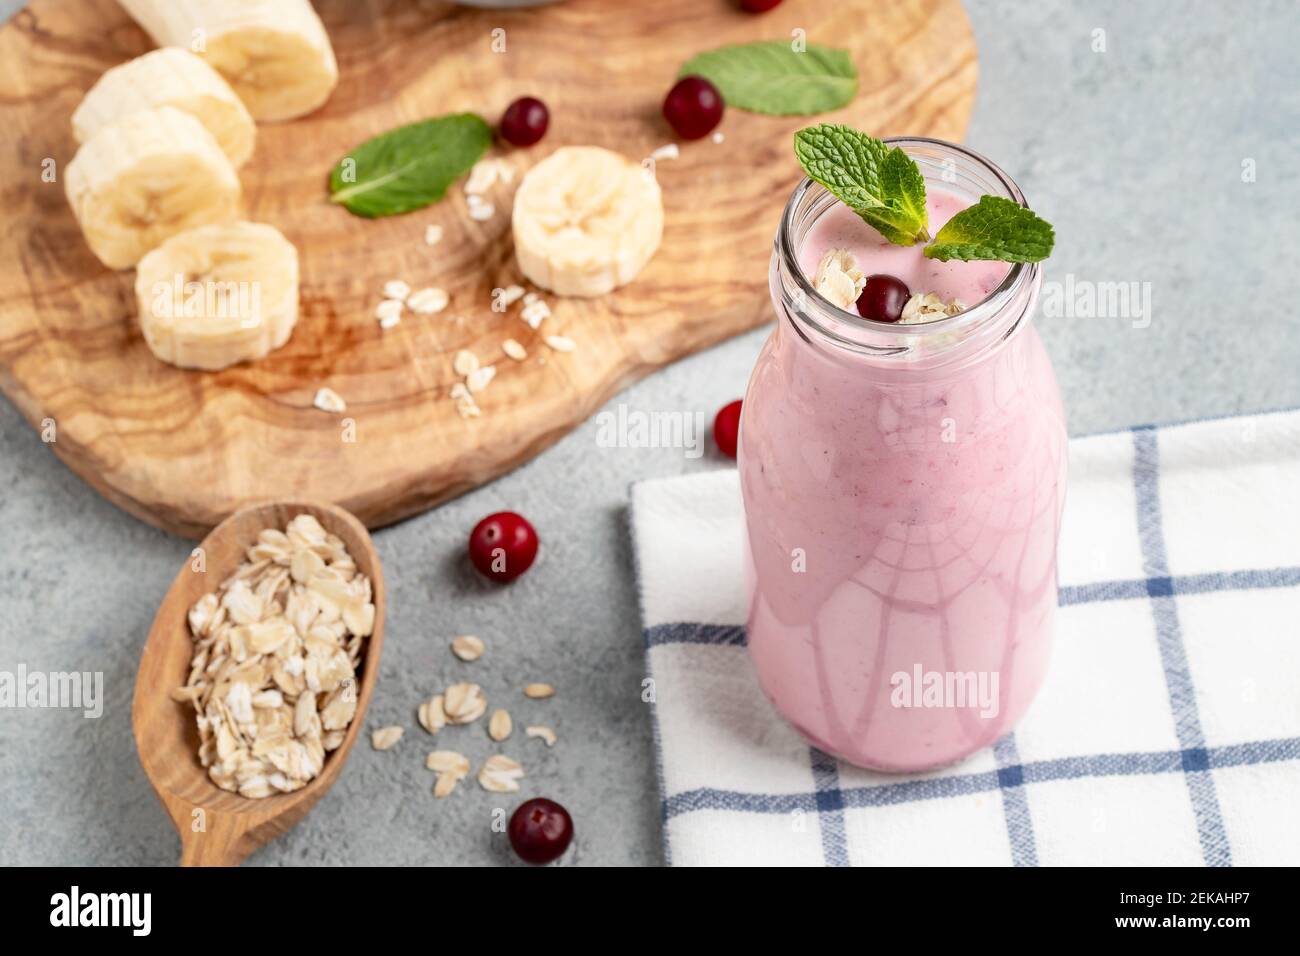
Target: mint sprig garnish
(993,228)
(885,187)
(882,185)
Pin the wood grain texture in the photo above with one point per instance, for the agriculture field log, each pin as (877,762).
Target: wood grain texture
(165,736)
(184,449)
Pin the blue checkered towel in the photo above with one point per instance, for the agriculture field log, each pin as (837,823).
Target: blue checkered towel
(1167,732)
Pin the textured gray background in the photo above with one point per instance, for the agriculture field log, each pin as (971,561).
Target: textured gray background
(1134,154)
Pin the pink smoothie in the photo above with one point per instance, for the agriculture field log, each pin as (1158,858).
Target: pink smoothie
(901,520)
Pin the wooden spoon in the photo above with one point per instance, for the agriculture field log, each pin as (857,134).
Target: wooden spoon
(230,826)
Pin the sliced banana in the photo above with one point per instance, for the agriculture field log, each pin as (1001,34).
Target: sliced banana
(275,53)
(169,77)
(586,220)
(145,177)
(217,295)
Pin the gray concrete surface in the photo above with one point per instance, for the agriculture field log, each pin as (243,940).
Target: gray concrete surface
(1135,155)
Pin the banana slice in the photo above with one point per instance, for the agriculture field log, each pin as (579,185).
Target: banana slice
(275,53)
(217,295)
(586,220)
(169,77)
(145,177)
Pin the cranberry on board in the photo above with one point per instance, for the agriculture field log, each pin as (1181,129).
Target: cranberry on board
(883,298)
(524,121)
(503,546)
(540,830)
(693,107)
(758,6)
(726,428)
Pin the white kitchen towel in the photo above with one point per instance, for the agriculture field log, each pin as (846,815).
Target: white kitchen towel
(1167,732)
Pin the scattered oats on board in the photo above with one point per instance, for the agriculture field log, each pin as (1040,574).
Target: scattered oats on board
(535,312)
(539,691)
(467,647)
(561,343)
(388,310)
(480,378)
(542,732)
(396,289)
(500,725)
(328,400)
(508,296)
(718,137)
(500,774)
(385,738)
(433,235)
(274,667)
(464,363)
(669,151)
(465,404)
(431,715)
(428,301)
(480,210)
(514,350)
(484,176)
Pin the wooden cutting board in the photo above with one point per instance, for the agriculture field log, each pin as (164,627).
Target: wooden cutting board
(183,449)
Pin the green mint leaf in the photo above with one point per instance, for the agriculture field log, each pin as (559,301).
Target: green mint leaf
(409,167)
(882,185)
(773,78)
(993,228)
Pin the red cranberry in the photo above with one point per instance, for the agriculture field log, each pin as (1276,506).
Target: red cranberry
(726,428)
(503,546)
(524,121)
(883,298)
(693,107)
(540,830)
(758,6)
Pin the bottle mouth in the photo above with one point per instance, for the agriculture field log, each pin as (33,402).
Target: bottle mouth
(958,169)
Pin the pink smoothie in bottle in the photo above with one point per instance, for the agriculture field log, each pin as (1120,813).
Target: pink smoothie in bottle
(903,487)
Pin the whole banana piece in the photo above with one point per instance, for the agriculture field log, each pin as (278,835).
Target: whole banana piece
(274,53)
(169,77)
(145,177)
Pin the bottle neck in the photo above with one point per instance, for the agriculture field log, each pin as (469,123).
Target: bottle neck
(953,341)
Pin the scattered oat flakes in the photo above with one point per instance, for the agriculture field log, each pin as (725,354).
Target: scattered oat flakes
(480,378)
(839,280)
(328,400)
(451,768)
(385,738)
(396,289)
(499,725)
(718,137)
(535,312)
(508,296)
(388,309)
(484,176)
(431,715)
(543,732)
(561,343)
(500,774)
(668,151)
(428,301)
(390,321)
(432,235)
(480,209)
(927,307)
(467,647)
(463,703)
(514,350)
(274,667)
(465,363)
(539,691)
